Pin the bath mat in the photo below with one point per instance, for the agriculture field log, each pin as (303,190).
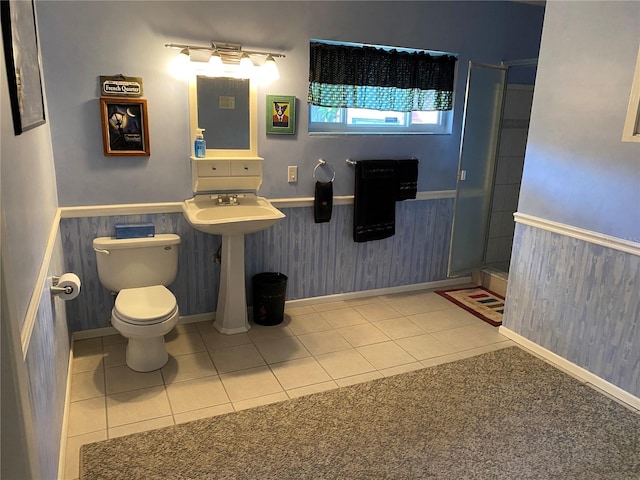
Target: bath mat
(483,303)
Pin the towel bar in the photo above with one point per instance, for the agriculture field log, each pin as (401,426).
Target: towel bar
(353,162)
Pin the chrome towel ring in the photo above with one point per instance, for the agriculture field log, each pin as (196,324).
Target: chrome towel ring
(325,165)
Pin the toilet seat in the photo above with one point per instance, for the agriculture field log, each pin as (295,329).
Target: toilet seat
(145,305)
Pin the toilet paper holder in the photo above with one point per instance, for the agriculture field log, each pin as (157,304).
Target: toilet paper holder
(56,290)
(70,288)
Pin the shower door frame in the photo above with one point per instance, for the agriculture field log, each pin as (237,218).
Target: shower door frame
(481,230)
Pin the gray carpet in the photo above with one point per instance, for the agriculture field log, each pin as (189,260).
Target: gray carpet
(501,415)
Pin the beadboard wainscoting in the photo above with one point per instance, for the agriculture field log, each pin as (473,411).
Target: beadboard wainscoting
(577,298)
(318,259)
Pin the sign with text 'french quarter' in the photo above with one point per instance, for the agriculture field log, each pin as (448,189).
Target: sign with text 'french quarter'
(121,86)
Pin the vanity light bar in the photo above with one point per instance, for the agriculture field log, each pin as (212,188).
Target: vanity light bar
(230,52)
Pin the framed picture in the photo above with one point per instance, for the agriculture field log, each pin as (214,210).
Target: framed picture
(24,77)
(125,128)
(281,114)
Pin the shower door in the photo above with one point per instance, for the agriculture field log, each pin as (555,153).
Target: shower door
(478,153)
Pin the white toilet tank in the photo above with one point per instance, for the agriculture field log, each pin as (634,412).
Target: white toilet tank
(136,262)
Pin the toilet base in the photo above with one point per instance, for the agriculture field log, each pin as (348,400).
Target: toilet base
(146,354)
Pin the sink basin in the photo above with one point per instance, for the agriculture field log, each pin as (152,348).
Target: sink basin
(251,214)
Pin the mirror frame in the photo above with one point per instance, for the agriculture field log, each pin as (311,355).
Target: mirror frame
(213,153)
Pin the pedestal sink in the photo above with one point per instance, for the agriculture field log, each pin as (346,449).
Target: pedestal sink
(231,218)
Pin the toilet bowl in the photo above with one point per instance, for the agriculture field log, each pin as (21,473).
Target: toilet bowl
(139,270)
(144,316)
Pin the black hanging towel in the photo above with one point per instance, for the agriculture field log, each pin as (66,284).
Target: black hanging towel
(407,179)
(323,202)
(374,216)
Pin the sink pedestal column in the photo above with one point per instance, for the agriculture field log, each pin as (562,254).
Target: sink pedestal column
(231,312)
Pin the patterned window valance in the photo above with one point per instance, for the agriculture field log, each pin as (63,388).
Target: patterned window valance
(367,77)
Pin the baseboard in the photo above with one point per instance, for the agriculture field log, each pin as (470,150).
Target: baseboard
(573,369)
(65,419)
(210,316)
(376,292)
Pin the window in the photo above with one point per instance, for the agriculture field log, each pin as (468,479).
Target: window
(379,90)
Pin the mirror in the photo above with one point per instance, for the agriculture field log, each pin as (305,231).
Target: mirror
(227,109)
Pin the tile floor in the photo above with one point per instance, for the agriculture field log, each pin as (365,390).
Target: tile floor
(317,347)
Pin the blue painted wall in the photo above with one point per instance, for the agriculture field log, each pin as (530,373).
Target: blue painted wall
(578,299)
(577,170)
(83,40)
(28,206)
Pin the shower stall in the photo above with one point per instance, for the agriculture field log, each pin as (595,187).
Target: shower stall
(494,135)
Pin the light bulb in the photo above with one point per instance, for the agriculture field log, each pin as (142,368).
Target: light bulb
(269,70)
(180,65)
(246,66)
(215,62)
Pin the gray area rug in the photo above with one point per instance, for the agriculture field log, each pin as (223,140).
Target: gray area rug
(501,415)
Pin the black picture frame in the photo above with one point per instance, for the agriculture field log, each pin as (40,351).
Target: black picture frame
(24,75)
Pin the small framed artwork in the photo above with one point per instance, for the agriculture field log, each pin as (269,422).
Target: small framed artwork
(125,126)
(281,114)
(24,79)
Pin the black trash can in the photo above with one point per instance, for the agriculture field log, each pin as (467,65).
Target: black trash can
(269,292)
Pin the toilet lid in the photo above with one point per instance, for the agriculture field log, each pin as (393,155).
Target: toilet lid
(145,304)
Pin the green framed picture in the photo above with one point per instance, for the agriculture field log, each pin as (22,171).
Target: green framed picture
(281,114)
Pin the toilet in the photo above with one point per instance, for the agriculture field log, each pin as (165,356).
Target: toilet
(139,270)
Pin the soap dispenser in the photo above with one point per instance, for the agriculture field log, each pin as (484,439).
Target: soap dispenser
(200,145)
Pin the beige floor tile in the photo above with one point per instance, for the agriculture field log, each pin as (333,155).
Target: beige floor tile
(250,383)
(122,379)
(385,355)
(375,312)
(240,357)
(419,303)
(299,373)
(87,355)
(264,400)
(196,394)
(213,339)
(298,310)
(185,327)
(86,416)
(113,339)
(365,334)
(343,317)
(445,319)
(465,338)
(354,302)
(72,453)
(265,333)
(407,367)
(115,354)
(282,350)
(323,307)
(137,427)
(345,363)
(308,323)
(184,343)
(424,346)
(137,406)
(402,327)
(188,367)
(309,389)
(87,385)
(203,413)
(324,342)
(361,378)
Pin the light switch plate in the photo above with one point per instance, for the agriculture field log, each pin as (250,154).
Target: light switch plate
(292,173)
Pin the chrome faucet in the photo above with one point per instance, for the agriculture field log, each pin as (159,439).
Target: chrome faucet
(225,199)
